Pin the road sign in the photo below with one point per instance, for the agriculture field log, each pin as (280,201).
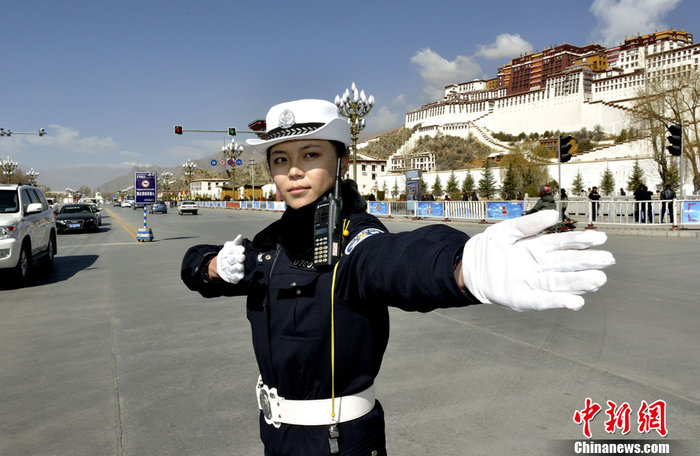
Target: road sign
(239,162)
(145,189)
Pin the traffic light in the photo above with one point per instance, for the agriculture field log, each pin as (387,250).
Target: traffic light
(676,139)
(178,129)
(564,148)
(231,131)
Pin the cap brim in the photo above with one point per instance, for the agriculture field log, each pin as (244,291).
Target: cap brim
(335,130)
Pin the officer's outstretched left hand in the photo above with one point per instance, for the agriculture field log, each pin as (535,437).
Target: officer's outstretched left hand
(510,265)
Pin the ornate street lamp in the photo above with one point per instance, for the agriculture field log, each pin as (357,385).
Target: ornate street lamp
(33,176)
(232,151)
(355,106)
(189,168)
(8,168)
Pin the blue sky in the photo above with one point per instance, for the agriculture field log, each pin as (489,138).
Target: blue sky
(109,80)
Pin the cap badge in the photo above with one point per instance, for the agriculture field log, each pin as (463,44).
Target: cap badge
(286,119)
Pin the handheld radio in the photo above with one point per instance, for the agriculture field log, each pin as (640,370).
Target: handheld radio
(327,226)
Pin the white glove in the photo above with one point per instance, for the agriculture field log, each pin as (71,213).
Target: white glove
(230,261)
(508,265)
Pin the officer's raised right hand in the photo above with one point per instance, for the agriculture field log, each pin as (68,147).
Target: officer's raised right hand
(230,261)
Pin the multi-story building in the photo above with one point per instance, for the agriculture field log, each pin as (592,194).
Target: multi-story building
(563,88)
(368,170)
(207,188)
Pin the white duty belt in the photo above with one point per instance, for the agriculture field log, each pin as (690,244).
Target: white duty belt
(312,412)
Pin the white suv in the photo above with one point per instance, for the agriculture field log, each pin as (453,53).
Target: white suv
(27,230)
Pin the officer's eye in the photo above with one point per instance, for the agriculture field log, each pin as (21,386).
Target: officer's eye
(279,160)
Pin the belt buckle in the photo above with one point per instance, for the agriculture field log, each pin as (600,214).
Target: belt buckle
(268,403)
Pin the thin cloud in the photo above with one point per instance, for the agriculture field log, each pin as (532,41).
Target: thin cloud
(384,119)
(506,46)
(437,72)
(69,139)
(619,19)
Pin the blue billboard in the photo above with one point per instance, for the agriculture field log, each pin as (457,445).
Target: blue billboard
(145,187)
(502,210)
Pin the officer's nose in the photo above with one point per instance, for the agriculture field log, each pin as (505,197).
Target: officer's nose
(295,172)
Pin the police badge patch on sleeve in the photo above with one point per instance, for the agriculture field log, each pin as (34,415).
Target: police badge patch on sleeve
(361,236)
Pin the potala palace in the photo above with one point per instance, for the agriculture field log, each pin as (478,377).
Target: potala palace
(562,88)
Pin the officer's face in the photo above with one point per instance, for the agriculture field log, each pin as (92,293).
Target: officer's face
(303,170)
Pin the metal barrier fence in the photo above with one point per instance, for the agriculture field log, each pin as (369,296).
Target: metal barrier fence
(615,211)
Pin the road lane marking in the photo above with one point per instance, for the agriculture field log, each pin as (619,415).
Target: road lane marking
(128,228)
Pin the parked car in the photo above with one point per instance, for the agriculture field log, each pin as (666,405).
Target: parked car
(77,217)
(187,207)
(27,230)
(158,206)
(126,203)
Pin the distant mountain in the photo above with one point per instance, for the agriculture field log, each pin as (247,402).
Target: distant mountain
(57,179)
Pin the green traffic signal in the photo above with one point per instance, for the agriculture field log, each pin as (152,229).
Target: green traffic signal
(232,132)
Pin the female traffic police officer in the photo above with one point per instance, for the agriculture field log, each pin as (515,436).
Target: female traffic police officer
(319,333)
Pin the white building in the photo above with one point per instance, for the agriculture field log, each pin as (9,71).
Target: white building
(207,188)
(593,87)
(368,171)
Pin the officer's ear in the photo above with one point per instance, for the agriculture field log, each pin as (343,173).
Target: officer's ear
(344,160)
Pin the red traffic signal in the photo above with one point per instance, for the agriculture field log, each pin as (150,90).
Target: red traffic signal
(676,140)
(178,129)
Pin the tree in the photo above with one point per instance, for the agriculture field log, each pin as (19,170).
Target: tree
(487,184)
(671,97)
(674,176)
(468,183)
(452,186)
(607,182)
(437,186)
(510,183)
(423,188)
(395,189)
(578,184)
(636,180)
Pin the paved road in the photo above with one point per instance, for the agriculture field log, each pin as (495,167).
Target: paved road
(109,354)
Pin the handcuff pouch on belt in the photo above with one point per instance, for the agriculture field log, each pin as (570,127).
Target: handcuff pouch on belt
(268,402)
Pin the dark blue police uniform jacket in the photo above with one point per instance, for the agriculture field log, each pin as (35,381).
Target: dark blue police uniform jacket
(289,309)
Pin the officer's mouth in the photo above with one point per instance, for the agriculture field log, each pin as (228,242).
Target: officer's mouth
(298,190)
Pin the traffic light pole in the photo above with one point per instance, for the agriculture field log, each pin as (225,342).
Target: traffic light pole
(559,169)
(682,167)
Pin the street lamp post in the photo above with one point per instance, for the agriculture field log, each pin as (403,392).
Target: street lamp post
(355,106)
(8,168)
(252,176)
(189,167)
(232,151)
(33,176)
